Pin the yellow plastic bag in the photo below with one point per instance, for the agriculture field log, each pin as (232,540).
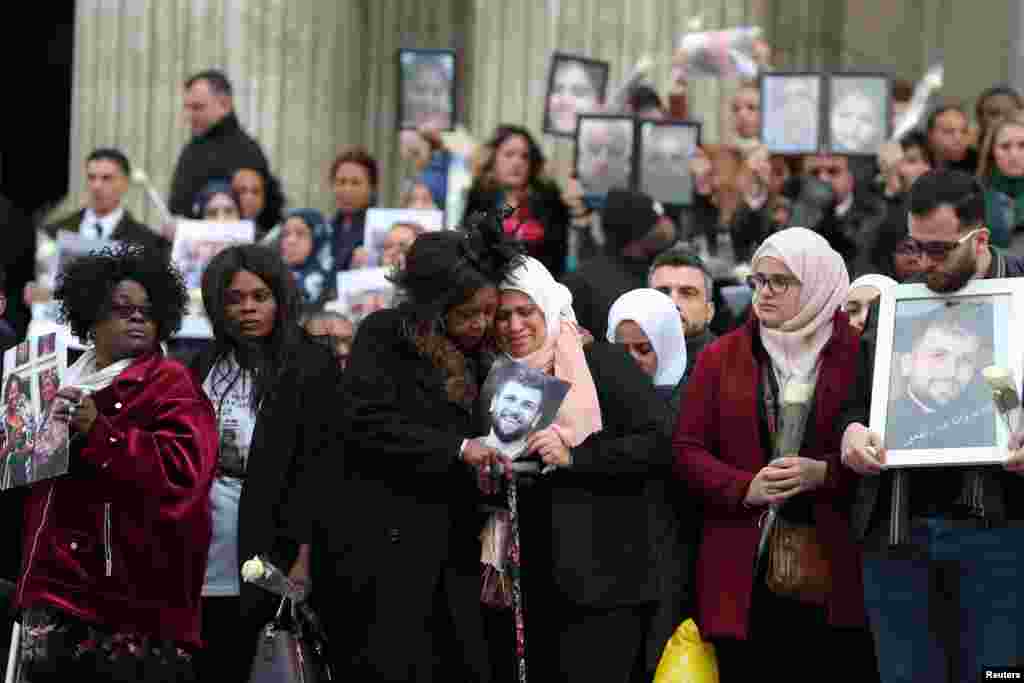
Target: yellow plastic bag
(687,658)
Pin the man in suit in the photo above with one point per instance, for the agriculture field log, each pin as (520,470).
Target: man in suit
(107,174)
(218,147)
(107,177)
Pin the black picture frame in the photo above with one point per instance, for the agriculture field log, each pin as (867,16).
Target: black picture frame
(881,113)
(594,187)
(658,187)
(594,69)
(407,60)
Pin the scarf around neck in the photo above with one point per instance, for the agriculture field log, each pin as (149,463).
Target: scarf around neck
(83,374)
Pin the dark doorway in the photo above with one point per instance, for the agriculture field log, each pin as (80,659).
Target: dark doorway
(34,158)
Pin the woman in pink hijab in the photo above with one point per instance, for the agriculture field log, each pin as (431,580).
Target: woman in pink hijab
(588,560)
(797,342)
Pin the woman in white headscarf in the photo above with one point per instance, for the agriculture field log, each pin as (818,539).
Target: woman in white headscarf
(864,291)
(589,582)
(647,323)
(798,335)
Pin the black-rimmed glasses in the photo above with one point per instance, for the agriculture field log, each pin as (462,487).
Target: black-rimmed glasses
(936,250)
(127,311)
(778,284)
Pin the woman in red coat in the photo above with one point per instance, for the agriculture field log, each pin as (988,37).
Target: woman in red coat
(723,448)
(115,550)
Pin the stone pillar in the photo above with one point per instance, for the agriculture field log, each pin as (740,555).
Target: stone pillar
(297,68)
(312,75)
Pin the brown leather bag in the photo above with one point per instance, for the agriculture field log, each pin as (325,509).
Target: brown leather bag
(798,564)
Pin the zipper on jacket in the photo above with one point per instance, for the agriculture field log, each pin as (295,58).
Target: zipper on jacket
(35,544)
(107,552)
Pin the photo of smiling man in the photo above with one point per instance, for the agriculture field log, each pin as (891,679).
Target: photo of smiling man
(937,397)
(521,401)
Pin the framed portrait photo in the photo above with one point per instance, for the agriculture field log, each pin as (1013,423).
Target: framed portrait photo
(791,105)
(859,107)
(576,85)
(427,81)
(520,400)
(389,233)
(604,157)
(364,291)
(930,401)
(666,148)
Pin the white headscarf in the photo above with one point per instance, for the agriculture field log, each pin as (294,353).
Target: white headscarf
(795,346)
(659,318)
(876,280)
(562,351)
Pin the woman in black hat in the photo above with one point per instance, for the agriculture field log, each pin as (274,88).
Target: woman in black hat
(403,539)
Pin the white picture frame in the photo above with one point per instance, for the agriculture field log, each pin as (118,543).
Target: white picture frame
(364,291)
(929,402)
(380,221)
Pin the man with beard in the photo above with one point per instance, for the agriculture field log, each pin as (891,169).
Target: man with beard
(515,412)
(942,403)
(942,558)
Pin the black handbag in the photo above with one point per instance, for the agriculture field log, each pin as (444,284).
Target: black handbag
(290,648)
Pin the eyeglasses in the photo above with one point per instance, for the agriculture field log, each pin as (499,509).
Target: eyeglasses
(778,284)
(127,311)
(936,250)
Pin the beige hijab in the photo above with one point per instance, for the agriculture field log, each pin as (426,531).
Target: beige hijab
(795,347)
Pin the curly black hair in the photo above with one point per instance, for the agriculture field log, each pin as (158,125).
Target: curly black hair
(85,285)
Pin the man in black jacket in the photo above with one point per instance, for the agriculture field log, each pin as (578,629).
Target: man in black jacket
(944,599)
(219,146)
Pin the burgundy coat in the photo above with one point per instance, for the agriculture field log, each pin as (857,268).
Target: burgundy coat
(719,449)
(122,540)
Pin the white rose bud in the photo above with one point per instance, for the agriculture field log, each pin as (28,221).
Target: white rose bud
(797,393)
(1004,393)
(253,569)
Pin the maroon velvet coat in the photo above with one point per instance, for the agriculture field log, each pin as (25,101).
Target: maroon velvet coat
(122,540)
(719,449)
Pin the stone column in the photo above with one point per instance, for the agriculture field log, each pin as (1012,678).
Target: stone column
(297,68)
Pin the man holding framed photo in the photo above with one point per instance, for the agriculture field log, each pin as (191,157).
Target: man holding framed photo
(943,594)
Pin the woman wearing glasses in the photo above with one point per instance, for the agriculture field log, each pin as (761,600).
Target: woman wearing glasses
(115,550)
(724,451)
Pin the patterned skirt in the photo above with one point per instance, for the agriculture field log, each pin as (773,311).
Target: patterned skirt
(56,646)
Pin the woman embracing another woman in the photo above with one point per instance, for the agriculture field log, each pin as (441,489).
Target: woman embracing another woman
(589,578)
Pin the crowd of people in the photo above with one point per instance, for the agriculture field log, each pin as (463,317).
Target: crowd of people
(349,448)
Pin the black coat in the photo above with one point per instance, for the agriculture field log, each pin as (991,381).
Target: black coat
(545,204)
(596,286)
(296,428)
(18,259)
(597,513)
(127,230)
(218,153)
(409,520)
